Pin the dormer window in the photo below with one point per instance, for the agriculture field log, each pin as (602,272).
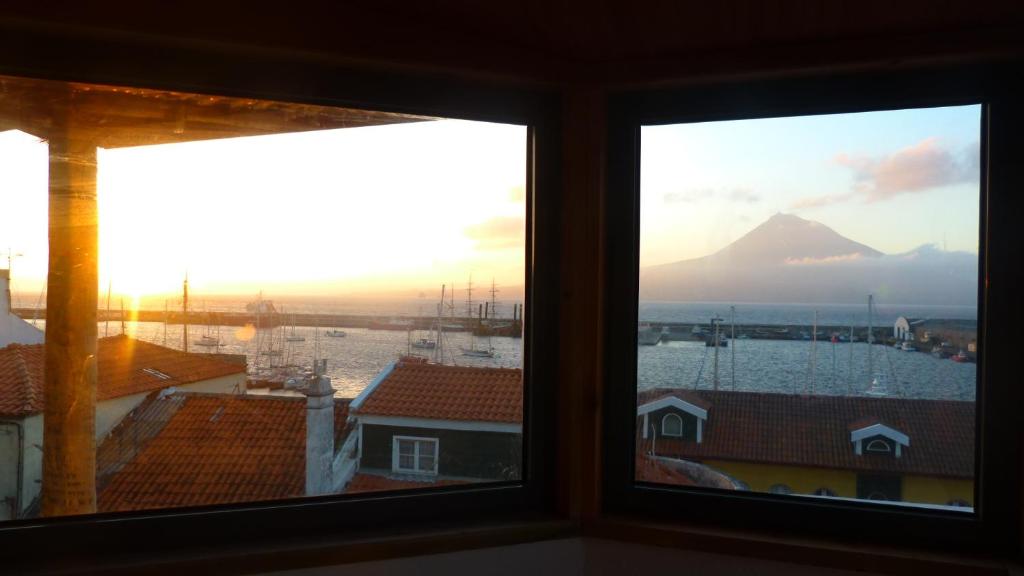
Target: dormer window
(673,417)
(672,425)
(878,446)
(870,436)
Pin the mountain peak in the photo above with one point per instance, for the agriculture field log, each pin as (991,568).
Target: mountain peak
(788,237)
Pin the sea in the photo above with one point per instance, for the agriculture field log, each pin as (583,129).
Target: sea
(783,366)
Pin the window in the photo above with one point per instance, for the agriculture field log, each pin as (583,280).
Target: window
(240,213)
(416,455)
(672,425)
(879,446)
(727,236)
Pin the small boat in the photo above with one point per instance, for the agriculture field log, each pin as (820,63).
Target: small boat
(478,353)
(908,347)
(723,342)
(878,387)
(897,346)
(424,344)
(743,337)
(939,352)
(959,357)
(335,333)
(208,341)
(292,336)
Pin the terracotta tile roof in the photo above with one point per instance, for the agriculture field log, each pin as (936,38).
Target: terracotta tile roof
(814,431)
(651,470)
(422,390)
(126,366)
(191,449)
(363,482)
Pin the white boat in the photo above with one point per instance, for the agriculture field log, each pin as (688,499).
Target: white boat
(292,336)
(472,352)
(878,387)
(208,341)
(908,347)
(335,333)
(424,344)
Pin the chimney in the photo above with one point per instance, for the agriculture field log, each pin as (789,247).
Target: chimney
(319,435)
(5,291)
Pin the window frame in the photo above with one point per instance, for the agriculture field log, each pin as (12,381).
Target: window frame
(995,525)
(98,540)
(396,456)
(678,419)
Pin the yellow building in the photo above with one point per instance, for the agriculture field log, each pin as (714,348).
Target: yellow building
(896,449)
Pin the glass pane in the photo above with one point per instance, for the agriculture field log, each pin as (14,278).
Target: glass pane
(808,305)
(427,448)
(426,463)
(406,447)
(272,277)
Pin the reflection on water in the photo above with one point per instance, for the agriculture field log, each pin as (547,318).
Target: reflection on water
(786,367)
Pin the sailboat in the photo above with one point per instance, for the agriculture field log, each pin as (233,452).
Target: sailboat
(208,340)
(878,383)
(292,336)
(335,333)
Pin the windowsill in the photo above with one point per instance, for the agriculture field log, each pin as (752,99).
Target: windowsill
(244,558)
(814,552)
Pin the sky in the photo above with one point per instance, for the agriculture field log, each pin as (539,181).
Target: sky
(371,210)
(893,180)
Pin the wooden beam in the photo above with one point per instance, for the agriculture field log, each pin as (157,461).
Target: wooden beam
(116,117)
(69,415)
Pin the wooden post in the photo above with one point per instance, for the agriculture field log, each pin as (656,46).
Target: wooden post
(69,417)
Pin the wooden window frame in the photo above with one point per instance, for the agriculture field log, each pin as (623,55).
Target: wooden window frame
(100,540)
(678,419)
(995,526)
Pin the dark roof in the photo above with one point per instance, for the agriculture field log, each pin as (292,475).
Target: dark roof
(126,366)
(416,389)
(814,431)
(191,449)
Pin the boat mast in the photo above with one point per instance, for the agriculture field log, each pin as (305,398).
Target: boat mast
(184,309)
(732,344)
(871,339)
(106,320)
(469,299)
(165,322)
(814,353)
(715,322)
(494,303)
(849,366)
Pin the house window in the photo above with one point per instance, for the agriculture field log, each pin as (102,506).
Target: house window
(672,425)
(248,336)
(725,221)
(878,445)
(415,455)
(728,207)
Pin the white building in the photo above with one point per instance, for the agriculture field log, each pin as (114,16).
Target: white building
(129,370)
(903,329)
(14,330)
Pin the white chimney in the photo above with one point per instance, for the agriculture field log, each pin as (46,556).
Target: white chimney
(319,435)
(5,291)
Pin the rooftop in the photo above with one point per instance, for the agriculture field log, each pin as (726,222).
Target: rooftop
(814,431)
(125,366)
(416,389)
(191,449)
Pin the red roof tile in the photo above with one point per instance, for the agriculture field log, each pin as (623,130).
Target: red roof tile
(422,390)
(207,449)
(121,372)
(814,431)
(362,482)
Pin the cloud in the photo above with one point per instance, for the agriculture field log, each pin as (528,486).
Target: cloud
(741,195)
(826,260)
(924,166)
(498,233)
